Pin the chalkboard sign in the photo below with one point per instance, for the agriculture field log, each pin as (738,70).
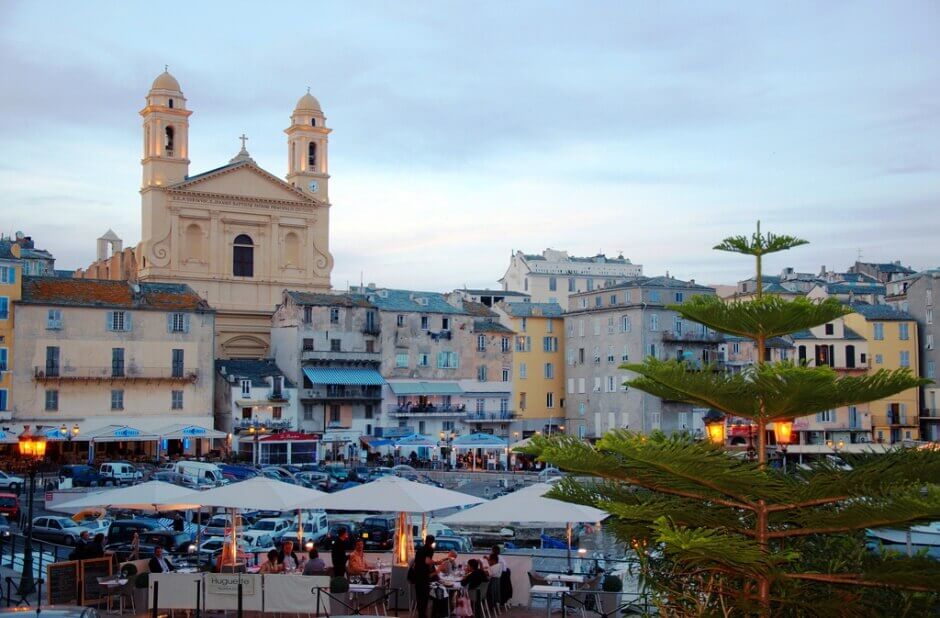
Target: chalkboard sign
(92,569)
(62,583)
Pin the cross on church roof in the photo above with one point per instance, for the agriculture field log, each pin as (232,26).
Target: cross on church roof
(243,138)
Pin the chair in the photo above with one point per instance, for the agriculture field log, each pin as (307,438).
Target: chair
(478,601)
(492,596)
(537,579)
(575,601)
(128,572)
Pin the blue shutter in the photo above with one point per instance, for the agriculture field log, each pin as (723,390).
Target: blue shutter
(185,322)
(127,321)
(169,322)
(109,320)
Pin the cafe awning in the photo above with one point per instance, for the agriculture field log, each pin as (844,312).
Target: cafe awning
(347,376)
(479,440)
(290,436)
(375,442)
(121,433)
(412,387)
(181,432)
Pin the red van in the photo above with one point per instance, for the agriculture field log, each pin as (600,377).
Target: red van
(10,506)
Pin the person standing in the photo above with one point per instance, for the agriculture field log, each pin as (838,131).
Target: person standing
(424,572)
(179,524)
(338,553)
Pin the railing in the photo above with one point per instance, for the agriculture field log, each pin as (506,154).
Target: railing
(277,395)
(426,410)
(444,334)
(930,413)
(693,337)
(243,424)
(492,417)
(342,392)
(111,373)
(371,329)
(340,355)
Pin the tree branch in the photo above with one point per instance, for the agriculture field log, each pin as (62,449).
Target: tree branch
(852,579)
(799,505)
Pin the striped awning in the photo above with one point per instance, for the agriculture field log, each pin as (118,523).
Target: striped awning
(426,388)
(343,375)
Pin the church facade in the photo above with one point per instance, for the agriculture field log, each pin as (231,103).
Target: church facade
(237,235)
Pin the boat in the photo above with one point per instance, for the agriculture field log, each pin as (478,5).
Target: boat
(927,535)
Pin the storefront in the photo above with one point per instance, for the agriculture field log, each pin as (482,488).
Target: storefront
(180,440)
(287,447)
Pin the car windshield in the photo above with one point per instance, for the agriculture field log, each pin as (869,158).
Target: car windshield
(265,525)
(212,545)
(7,501)
(68,523)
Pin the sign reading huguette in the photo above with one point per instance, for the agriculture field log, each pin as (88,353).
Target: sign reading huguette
(224,583)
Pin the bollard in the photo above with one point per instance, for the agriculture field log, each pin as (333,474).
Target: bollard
(239,614)
(198,598)
(155,600)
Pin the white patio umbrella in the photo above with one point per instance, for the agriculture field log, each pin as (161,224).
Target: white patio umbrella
(393,493)
(529,506)
(150,496)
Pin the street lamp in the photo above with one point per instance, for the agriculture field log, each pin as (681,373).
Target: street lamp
(715,426)
(783,432)
(33,449)
(68,435)
(256,432)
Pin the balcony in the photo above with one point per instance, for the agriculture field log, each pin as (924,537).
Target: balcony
(444,334)
(490,417)
(393,432)
(692,337)
(129,373)
(902,420)
(277,395)
(395,410)
(372,329)
(271,425)
(338,392)
(347,356)
(930,413)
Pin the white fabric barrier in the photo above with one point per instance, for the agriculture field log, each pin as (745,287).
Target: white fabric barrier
(296,593)
(221,591)
(177,590)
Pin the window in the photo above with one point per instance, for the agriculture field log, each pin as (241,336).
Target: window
(523,344)
(507,374)
(549,371)
(928,316)
(336,345)
(177,363)
(481,373)
(308,315)
(584,303)
(611,325)
(830,329)
(424,360)
(571,284)
(335,412)
(52,400)
(334,315)
(117,362)
(275,411)
(931,369)
(879,359)
(7,274)
(243,256)
(522,401)
(54,319)
(905,358)
(447,360)
(652,350)
(611,384)
(626,355)
(826,416)
(176,400)
(400,320)
(549,400)
(863,359)
(307,344)
(904,331)
(735,348)
(570,329)
(654,296)
(425,322)
(370,346)
(549,326)
(550,344)
(611,358)
(625,326)
(597,354)
(571,357)
(879,329)
(481,343)
(246,389)
(117,400)
(597,327)
(613,299)
(524,324)
(582,407)
(581,355)
(3,360)
(929,341)
(654,322)
(505,345)
(177,323)
(677,325)
(580,328)
(168,141)
(679,297)
(445,323)
(581,386)
(571,386)
(597,384)
(308,411)
(598,300)
(552,284)
(368,410)
(401,359)
(312,156)
(119,321)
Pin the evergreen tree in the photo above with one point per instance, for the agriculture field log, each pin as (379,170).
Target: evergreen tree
(721,536)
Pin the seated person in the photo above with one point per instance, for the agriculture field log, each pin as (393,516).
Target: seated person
(287,557)
(474,576)
(160,563)
(357,564)
(314,564)
(495,568)
(446,565)
(272,565)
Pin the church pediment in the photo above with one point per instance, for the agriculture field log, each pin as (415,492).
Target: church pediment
(243,180)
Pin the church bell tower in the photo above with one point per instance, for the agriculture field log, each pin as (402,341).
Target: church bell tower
(307,140)
(166,133)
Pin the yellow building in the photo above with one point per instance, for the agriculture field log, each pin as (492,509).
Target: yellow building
(892,343)
(10,291)
(538,372)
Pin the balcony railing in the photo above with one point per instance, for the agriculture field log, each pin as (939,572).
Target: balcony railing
(277,394)
(930,413)
(692,337)
(427,410)
(895,418)
(444,334)
(345,355)
(334,392)
(244,424)
(371,329)
(128,373)
(489,417)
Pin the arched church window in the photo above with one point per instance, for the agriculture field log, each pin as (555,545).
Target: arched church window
(313,122)
(292,250)
(168,141)
(243,256)
(171,103)
(312,155)
(192,246)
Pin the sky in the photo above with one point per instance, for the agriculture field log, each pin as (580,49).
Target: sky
(465,130)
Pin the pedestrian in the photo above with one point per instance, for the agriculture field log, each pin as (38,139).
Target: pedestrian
(423,572)
(179,524)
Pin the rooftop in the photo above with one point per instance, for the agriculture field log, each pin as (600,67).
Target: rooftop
(255,370)
(491,326)
(528,310)
(478,309)
(329,300)
(854,287)
(111,294)
(880,312)
(850,335)
(651,282)
(408,300)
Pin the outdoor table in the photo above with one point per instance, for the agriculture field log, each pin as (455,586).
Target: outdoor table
(113,585)
(549,592)
(566,579)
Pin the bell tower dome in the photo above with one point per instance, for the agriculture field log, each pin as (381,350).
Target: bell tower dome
(307,141)
(166,133)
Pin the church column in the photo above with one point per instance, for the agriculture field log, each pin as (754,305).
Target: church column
(311,256)
(216,245)
(274,254)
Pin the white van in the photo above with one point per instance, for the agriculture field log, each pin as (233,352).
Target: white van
(203,473)
(119,473)
(315,524)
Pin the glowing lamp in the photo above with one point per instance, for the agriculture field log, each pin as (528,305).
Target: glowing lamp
(715,426)
(33,447)
(783,430)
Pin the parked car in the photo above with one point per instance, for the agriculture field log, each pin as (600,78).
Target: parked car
(444,544)
(219,524)
(313,480)
(169,476)
(361,474)
(81,475)
(315,527)
(97,525)
(5,531)
(119,473)
(381,471)
(278,475)
(61,530)
(378,532)
(237,473)
(272,525)
(548,473)
(337,472)
(201,472)
(10,506)
(258,542)
(122,531)
(333,533)
(211,548)
(405,472)
(11,482)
